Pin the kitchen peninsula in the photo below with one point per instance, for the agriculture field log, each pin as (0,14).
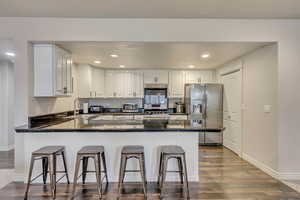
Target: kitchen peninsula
(113,134)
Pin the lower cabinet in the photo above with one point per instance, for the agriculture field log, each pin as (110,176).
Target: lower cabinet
(210,138)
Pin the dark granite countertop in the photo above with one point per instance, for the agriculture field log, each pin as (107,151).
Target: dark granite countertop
(91,124)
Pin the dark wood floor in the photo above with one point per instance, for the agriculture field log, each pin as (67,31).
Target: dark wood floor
(223,175)
(7,159)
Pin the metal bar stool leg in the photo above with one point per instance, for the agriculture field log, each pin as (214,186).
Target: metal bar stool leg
(186,177)
(104,166)
(85,161)
(164,173)
(45,169)
(121,173)
(142,167)
(124,169)
(77,165)
(97,167)
(29,177)
(52,176)
(65,166)
(180,169)
(159,169)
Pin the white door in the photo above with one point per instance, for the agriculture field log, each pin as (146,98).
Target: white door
(232,136)
(97,82)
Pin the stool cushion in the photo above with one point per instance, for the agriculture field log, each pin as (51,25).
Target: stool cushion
(133,149)
(48,150)
(91,150)
(172,149)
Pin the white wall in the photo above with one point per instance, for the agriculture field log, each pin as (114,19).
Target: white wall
(259,88)
(6,105)
(285,32)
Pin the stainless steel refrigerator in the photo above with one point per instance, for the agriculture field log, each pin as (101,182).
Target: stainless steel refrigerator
(204,104)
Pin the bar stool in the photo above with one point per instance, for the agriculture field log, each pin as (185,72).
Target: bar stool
(97,154)
(48,155)
(176,152)
(128,152)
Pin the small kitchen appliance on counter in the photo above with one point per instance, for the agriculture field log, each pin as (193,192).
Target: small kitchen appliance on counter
(179,107)
(204,103)
(130,108)
(96,109)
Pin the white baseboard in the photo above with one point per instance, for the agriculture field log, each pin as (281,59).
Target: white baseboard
(230,145)
(7,147)
(275,174)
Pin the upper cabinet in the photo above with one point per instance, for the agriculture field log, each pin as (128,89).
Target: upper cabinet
(90,81)
(176,83)
(156,76)
(52,71)
(97,87)
(200,76)
(123,84)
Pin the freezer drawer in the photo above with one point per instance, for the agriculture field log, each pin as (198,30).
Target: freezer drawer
(210,138)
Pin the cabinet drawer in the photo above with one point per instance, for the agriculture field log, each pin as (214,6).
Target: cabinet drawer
(123,117)
(178,117)
(138,117)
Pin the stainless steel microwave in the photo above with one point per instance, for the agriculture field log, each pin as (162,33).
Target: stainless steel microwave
(156,97)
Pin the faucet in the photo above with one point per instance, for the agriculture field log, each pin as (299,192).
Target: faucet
(76,103)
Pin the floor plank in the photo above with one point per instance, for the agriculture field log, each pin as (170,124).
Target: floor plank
(223,175)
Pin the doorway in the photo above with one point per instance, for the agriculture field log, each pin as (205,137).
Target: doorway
(232,114)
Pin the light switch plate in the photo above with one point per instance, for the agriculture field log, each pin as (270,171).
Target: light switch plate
(267,108)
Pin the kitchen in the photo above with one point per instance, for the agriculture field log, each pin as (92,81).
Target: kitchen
(129,100)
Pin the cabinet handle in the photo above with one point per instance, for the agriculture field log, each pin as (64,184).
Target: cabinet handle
(90,94)
(155,79)
(95,94)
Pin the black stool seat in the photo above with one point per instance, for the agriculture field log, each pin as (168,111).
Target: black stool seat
(133,149)
(91,150)
(48,150)
(172,149)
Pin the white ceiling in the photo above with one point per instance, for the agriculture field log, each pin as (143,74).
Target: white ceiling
(158,54)
(152,8)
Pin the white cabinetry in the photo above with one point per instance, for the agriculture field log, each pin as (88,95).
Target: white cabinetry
(97,87)
(90,81)
(123,84)
(84,79)
(156,76)
(176,83)
(203,76)
(52,71)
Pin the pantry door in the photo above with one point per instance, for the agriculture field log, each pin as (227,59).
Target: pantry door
(232,112)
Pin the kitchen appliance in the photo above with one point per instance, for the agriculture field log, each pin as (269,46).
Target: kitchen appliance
(85,108)
(204,102)
(156,97)
(130,107)
(179,107)
(96,109)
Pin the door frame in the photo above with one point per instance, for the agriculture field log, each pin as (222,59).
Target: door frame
(230,70)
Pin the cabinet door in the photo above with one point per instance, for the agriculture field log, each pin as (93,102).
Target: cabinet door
(193,77)
(97,82)
(176,83)
(59,71)
(110,82)
(69,75)
(84,81)
(156,76)
(208,77)
(137,84)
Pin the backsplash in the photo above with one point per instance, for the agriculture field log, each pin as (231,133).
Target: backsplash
(118,102)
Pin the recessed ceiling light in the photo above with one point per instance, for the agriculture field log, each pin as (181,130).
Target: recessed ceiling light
(114,55)
(191,66)
(122,66)
(97,61)
(10,54)
(205,55)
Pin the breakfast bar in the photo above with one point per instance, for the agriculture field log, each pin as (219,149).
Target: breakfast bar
(113,135)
